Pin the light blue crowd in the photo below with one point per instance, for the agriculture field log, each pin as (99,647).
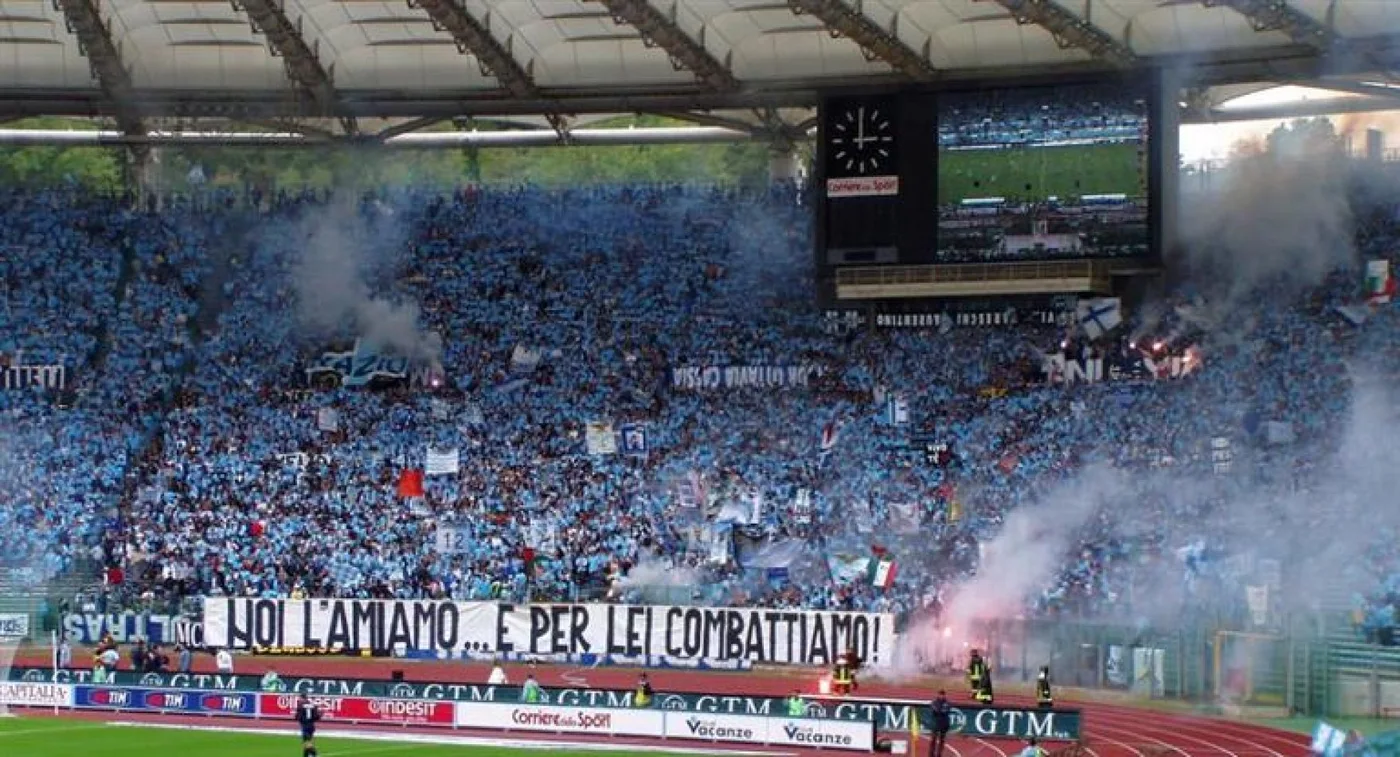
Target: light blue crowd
(191,454)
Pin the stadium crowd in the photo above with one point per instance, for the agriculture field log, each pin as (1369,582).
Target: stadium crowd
(193,453)
(1021,117)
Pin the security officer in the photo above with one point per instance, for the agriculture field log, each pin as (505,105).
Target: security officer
(1043,699)
(644,693)
(843,674)
(976,671)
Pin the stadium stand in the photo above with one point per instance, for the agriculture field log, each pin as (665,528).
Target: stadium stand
(193,454)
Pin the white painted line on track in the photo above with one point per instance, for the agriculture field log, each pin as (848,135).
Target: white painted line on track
(990,746)
(55,730)
(419,738)
(375,750)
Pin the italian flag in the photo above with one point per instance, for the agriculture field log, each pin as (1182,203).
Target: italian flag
(882,572)
(1380,285)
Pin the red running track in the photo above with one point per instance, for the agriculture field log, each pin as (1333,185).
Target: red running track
(1109,730)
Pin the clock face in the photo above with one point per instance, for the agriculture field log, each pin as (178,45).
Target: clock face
(862,140)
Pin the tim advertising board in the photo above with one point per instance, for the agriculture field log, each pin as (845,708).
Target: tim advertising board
(157,700)
(362,709)
(753,729)
(602,721)
(25,694)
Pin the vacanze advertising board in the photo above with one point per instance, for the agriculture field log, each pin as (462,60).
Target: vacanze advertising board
(888,715)
(445,628)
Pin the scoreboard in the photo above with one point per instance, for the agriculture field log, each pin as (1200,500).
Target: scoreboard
(1034,172)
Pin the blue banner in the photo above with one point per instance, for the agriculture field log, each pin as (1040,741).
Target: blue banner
(361,366)
(127,627)
(157,700)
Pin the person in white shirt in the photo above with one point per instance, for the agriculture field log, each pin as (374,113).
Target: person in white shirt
(498,676)
(1032,750)
(224,661)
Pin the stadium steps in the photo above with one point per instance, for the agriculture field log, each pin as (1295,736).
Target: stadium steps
(125,274)
(211,305)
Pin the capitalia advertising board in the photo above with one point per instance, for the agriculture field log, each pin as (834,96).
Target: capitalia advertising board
(22,694)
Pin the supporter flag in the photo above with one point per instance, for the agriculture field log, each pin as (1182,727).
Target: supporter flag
(441,409)
(528,555)
(411,483)
(955,511)
(904,517)
(1099,316)
(882,572)
(634,439)
(898,411)
(831,433)
(524,360)
(847,568)
(1328,741)
(1380,285)
(600,438)
(444,462)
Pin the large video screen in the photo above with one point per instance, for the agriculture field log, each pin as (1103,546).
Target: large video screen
(1044,173)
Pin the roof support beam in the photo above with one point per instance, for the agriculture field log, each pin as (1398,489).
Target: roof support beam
(1277,16)
(474,38)
(84,21)
(659,29)
(1070,30)
(875,43)
(303,62)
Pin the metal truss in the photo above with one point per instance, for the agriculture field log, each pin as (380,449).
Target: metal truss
(495,59)
(303,62)
(875,43)
(84,21)
(1070,30)
(659,29)
(1277,16)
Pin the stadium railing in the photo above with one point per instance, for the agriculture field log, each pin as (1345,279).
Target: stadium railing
(874,282)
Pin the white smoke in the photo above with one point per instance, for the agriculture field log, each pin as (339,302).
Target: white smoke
(1024,558)
(653,573)
(1276,216)
(330,278)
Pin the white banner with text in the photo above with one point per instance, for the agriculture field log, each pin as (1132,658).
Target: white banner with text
(714,634)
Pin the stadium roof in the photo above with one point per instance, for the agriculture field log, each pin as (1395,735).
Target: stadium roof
(752,64)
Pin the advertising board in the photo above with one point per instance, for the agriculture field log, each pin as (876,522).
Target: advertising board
(23,694)
(752,729)
(602,721)
(889,715)
(361,709)
(233,703)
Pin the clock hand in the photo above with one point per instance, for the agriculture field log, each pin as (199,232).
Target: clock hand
(860,127)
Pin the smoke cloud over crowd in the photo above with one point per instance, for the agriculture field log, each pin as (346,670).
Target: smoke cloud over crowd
(1271,229)
(342,250)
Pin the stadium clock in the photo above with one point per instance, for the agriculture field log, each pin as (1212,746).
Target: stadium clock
(861,140)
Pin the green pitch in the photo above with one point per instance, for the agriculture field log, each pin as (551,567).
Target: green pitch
(57,737)
(1051,171)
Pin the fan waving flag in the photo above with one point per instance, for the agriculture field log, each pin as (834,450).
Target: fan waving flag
(411,484)
(444,462)
(882,572)
(1099,316)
